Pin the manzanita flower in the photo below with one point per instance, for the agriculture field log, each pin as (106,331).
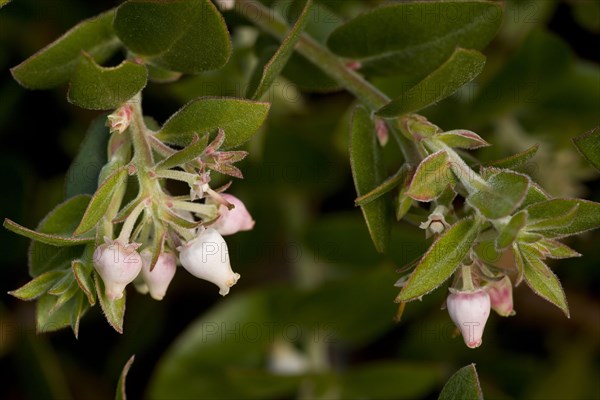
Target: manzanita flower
(469,310)
(162,274)
(118,265)
(501,296)
(232,220)
(207,257)
(119,120)
(436,222)
(226,4)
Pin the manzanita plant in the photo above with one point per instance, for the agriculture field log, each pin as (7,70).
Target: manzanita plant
(134,230)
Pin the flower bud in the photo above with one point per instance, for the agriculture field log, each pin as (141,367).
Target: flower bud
(436,222)
(118,265)
(206,257)
(501,297)
(160,277)
(232,221)
(119,120)
(469,311)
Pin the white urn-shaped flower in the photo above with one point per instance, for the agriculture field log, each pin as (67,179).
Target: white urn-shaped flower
(469,311)
(118,265)
(232,220)
(207,257)
(162,274)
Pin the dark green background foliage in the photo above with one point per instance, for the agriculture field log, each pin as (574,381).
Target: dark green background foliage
(309,271)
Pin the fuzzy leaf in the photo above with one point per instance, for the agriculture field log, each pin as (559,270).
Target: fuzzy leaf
(94,87)
(504,193)
(61,221)
(535,194)
(121,394)
(49,318)
(83,274)
(46,238)
(54,64)
(413,38)
(38,286)
(187,154)
(368,171)
(516,160)
(386,186)
(464,385)
(541,279)
(511,230)
(461,68)
(264,75)
(551,214)
(79,308)
(239,118)
(432,177)
(82,177)
(441,260)
(588,145)
(586,217)
(554,249)
(114,310)
(100,201)
(462,139)
(188,36)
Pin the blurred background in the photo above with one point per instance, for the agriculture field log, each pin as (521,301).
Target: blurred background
(312,316)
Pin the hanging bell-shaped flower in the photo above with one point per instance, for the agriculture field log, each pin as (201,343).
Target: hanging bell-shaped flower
(501,296)
(469,311)
(160,277)
(207,257)
(232,220)
(118,265)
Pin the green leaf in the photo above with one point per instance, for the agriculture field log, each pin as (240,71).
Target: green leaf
(462,139)
(368,171)
(188,36)
(588,145)
(160,75)
(54,64)
(554,249)
(464,385)
(49,318)
(83,274)
(264,75)
(187,154)
(94,87)
(38,286)
(509,233)
(441,260)
(62,221)
(54,240)
(79,309)
(516,160)
(541,279)
(239,118)
(82,177)
(114,310)
(413,38)
(121,395)
(386,186)
(100,201)
(551,214)
(586,217)
(432,177)
(461,68)
(392,381)
(505,191)
(535,194)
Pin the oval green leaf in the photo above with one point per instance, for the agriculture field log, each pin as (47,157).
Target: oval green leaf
(368,171)
(97,88)
(239,118)
(413,38)
(432,177)
(38,286)
(588,145)
(464,385)
(114,310)
(441,260)
(54,64)
(505,191)
(461,68)
(188,36)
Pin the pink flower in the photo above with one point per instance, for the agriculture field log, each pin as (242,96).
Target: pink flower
(469,311)
(501,296)
(207,257)
(232,221)
(118,265)
(119,121)
(160,277)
